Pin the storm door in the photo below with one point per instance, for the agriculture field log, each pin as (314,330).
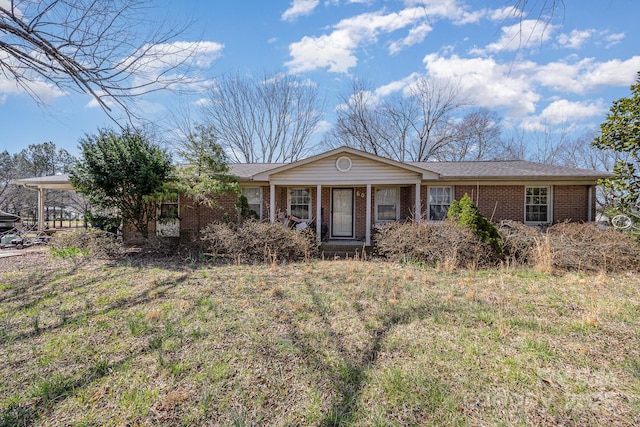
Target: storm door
(342,212)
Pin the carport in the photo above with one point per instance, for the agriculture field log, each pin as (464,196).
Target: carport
(39,184)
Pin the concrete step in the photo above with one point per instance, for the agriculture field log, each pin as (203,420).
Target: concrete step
(343,250)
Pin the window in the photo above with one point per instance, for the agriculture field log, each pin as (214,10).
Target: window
(536,204)
(387,204)
(168,224)
(440,199)
(254,199)
(300,203)
(169,210)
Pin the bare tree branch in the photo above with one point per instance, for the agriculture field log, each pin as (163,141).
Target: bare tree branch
(270,119)
(108,49)
(415,127)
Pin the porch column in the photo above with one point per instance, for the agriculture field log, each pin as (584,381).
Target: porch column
(418,215)
(590,203)
(40,209)
(367,240)
(319,214)
(272,203)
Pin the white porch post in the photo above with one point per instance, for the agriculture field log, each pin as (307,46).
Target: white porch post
(272,203)
(418,216)
(319,214)
(40,209)
(368,219)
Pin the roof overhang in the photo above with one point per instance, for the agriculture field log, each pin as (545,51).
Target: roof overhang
(54,182)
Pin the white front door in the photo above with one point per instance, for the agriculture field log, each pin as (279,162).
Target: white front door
(342,212)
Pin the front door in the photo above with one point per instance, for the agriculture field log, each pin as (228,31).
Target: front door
(342,212)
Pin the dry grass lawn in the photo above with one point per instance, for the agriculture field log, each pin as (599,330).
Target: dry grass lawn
(167,342)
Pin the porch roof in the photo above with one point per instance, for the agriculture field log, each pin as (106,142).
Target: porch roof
(53,182)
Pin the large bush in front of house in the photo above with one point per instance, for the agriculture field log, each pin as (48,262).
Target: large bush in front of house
(122,172)
(446,245)
(466,213)
(253,241)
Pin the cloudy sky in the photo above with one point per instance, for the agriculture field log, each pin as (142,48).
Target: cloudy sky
(538,73)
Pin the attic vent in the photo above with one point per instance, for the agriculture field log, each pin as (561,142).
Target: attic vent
(343,164)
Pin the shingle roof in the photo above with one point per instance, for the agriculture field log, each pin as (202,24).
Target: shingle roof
(247,170)
(510,169)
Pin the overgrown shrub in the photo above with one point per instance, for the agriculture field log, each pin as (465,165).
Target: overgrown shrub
(254,241)
(466,213)
(587,247)
(519,243)
(448,245)
(570,247)
(84,242)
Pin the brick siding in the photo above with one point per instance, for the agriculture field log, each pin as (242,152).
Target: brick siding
(571,203)
(497,202)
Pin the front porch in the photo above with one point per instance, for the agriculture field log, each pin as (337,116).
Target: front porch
(347,214)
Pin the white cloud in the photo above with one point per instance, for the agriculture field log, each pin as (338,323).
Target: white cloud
(299,8)
(397,86)
(166,56)
(201,102)
(568,115)
(336,51)
(491,84)
(587,75)
(576,39)
(564,111)
(499,15)
(613,39)
(331,51)
(416,35)
(527,34)
(32,85)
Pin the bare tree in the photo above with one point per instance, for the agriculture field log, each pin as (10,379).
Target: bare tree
(95,47)
(366,123)
(414,127)
(477,136)
(270,119)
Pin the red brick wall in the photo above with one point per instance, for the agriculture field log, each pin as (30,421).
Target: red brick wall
(361,212)
(571,203)
(407,207)
(194,217)
(496,202)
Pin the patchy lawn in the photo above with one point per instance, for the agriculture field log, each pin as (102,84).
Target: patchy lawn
(319,343)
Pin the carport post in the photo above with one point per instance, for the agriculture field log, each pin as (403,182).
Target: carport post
(40,208)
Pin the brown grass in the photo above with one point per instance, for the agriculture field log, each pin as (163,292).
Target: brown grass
(162,342)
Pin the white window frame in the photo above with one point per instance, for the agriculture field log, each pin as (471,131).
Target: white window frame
(397,202)
(308,189)
(259,212)
(452,195)
(549,204)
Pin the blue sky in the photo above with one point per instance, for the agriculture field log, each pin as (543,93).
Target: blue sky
(555,75)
